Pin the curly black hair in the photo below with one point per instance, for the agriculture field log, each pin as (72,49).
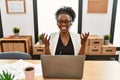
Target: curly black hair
(66,10)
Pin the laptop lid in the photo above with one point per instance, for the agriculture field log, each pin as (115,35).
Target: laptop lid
(62,66)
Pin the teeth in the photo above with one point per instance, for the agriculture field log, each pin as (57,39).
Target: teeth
(63,27)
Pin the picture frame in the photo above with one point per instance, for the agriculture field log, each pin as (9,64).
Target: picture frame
(15,6)
(97,6)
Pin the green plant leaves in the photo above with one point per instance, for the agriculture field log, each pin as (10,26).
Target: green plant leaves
(106,37)
(16,30)
(6,76)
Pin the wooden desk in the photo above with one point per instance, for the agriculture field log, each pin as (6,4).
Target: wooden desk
(93,70)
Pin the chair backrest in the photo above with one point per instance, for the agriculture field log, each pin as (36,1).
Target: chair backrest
(15,55)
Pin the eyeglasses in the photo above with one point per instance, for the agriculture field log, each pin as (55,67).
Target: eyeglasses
(66,21)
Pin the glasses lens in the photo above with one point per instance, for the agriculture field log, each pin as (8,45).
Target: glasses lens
(61,21)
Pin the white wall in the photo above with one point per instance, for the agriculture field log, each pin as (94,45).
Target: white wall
(46,14)
(94,23)
(116,40)
(24,21)
(97,23)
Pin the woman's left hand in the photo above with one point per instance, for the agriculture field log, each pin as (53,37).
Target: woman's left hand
(84,37)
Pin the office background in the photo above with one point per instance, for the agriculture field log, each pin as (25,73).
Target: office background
(95,23)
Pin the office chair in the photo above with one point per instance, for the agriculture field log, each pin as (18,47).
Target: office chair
(14,55)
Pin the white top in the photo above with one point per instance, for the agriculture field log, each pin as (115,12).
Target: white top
(75,40)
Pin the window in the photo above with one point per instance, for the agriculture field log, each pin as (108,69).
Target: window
(116,40)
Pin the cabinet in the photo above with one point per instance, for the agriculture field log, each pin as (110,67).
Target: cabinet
(103,57)
(38,49)
(11,43)
(108,49)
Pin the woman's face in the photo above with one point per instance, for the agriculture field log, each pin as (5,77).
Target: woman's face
(64,22)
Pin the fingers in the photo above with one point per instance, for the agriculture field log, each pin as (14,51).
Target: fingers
(84,35)
(45,37)
(42,35)
(80,36)
(49,38)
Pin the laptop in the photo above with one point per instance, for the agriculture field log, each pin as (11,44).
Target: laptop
(62,66)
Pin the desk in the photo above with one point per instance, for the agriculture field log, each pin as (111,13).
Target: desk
(93,70)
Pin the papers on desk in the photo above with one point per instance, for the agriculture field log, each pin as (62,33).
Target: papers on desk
(18,67)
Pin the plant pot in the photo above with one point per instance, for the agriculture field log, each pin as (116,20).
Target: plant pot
(16,35)
(40,42)
(106,42)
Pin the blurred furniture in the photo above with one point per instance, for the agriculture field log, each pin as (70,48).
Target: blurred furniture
(21,44)
(14,55)
(95,46)
(38,49)
(0,49)
(108,51)
(103,57)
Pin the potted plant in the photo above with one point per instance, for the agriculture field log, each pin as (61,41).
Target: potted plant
(106,39)
(16,31)
(6,76)
(40,41)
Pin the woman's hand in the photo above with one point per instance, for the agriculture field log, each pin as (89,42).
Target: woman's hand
(83,41)
(45,39)
(84,38)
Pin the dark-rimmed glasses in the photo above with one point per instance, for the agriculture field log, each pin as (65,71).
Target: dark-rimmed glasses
(66,21)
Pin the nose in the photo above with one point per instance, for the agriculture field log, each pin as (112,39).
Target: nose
(63,23)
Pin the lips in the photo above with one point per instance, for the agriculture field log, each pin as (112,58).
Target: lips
(63,28)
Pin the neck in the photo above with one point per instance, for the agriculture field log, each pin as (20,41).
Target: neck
(66,34)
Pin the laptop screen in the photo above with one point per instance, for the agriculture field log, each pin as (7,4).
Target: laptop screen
(62,66)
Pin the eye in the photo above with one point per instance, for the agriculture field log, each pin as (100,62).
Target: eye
(66,21)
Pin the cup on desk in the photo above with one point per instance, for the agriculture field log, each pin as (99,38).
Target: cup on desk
(29,73)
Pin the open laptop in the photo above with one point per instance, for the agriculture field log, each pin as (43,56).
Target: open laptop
(62,66)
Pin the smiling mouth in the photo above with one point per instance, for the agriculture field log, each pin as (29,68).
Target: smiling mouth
(63,28)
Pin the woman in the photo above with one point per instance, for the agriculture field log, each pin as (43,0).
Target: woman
(64,42)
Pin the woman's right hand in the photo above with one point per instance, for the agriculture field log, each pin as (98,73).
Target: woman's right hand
(45,39)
